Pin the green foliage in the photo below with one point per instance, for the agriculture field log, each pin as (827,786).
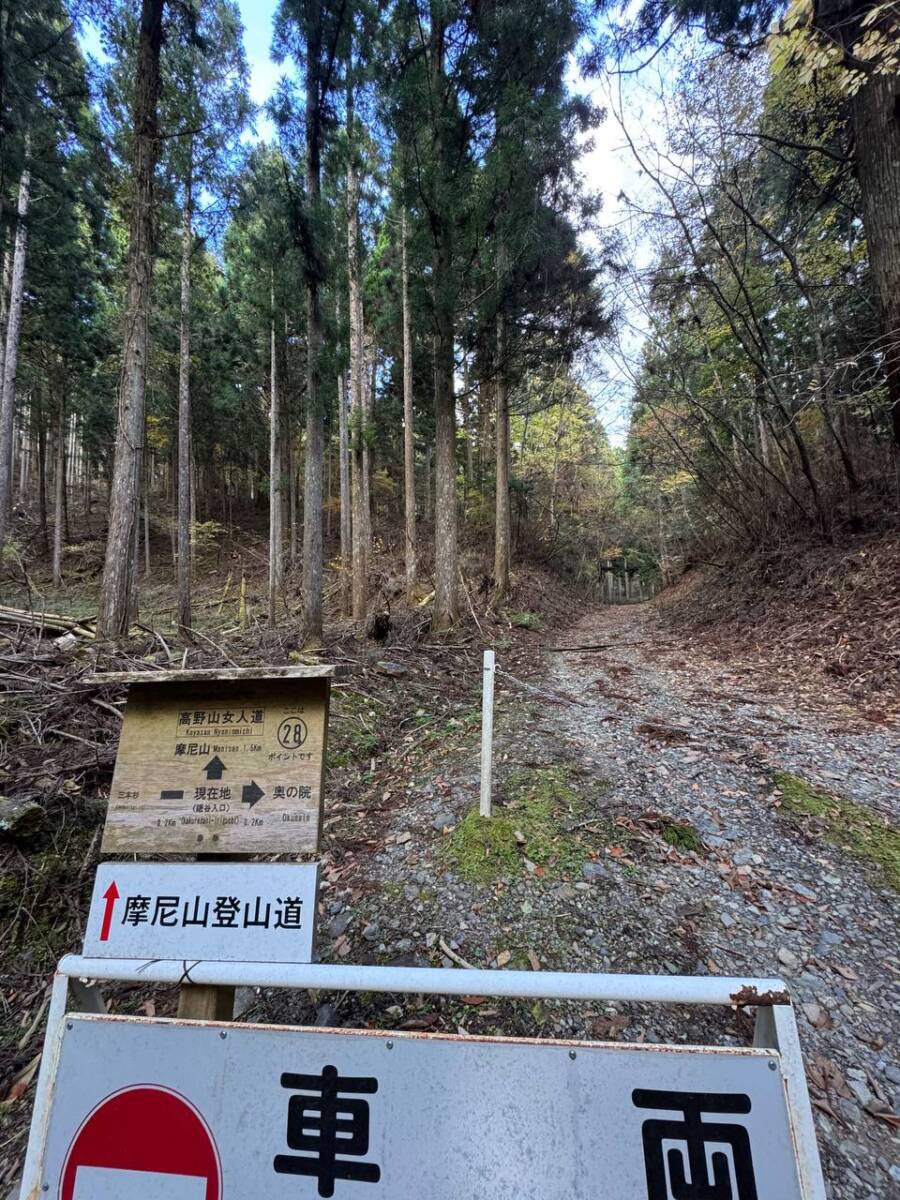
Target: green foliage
(529,826)
(484,848)
(205,536)
(525,620)
(354,729)
(11,554)
(43,894)
(758,398)
(680,835)
(843,823)
(566,477)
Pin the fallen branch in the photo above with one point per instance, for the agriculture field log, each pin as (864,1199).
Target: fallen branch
(590,646)
(109,708)
(159,637)
(451,954)
(39,620)
(469,600)
(33,1024)
(215,646)
(73,737)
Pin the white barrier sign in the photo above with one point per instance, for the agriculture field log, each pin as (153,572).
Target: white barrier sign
(251,1111)
(224,912)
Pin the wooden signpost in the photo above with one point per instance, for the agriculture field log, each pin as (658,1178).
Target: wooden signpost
(221,763)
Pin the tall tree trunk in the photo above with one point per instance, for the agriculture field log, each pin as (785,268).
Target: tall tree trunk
(486,408)
(445,521)
(292,497)
(409,445)
(357,371)
(465,403)
(501,444)
(116,589)
(67,460)
(344,474)
(25,449)
(13,333)
(42,479)
(876,118)
(183,550)
(59,489)
(445,611)
(5,288)
(147,566)
(368,419)
(135,544)
(315,421)
(284,435)
(292,413)
(329,484)
(428,494)
(554,479)
(274,476)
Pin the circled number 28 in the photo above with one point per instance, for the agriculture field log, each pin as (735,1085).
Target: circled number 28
(292,733)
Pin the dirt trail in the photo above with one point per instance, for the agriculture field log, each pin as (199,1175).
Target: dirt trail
(637,828)
(770,894)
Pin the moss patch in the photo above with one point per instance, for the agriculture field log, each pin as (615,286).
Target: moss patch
(682,837)
(525,620)
(845,824)
(531,824)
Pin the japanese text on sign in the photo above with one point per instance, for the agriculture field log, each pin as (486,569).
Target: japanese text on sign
(349,1114)
(225,911)
(227,767)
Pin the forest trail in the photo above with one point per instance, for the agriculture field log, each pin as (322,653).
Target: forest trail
(773,892)
(638,827)
(658,808)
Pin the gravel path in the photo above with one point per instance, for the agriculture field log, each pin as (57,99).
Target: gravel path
(652,736)
(773,899)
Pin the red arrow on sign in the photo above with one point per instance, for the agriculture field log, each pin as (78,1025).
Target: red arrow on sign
(111,895)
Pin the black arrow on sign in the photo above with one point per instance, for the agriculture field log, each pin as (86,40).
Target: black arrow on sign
(214,768)
(251,793)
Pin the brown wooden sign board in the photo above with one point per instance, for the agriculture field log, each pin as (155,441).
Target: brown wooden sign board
(230,765)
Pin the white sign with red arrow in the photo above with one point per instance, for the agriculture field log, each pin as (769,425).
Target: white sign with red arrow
(222,912)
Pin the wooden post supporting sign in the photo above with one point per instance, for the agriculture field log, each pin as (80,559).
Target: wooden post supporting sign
(224,764)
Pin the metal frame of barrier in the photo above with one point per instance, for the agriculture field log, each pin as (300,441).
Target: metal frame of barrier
(75,990)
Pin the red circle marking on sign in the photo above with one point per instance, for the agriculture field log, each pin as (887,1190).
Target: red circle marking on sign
(144,1128)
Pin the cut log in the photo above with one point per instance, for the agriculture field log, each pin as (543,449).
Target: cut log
(52,622)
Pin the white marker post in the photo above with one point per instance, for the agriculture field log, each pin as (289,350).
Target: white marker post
(487,731)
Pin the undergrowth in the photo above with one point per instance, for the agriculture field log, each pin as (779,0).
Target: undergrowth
(843,823)
(525,620)
(683,837)
(527,832)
